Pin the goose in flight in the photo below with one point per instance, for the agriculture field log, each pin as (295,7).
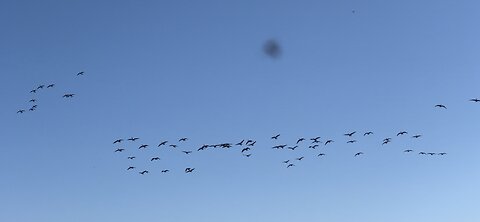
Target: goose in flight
(402,133)
(31,109)
(189,170)
(21,111)
(165,171)
(173,145)
(358,154)
(143,172)
(162,143)
(133,139)
(475,100)
(32,100)
(441,106)
(119,150)
(422,153)
(80,73)
(130,168)
(417,136)
(292,147)
(143,146)
(408,151)
(245,149)
(203,147)
(183,139)
(50,86)
(131,157)
(350,134)
(187,152)
(329,141)
(368,133)
(441,154)
(313,146)
(240,143)
(117,141)
(300,158)
(275,137)
(351,141)
(70,95)
(40,86)
(431,154)
(251,143)
(155,158)
(33,91)
(300,140)
(321,154)
(290,165)
(279,146)
(286,161)
(247,155)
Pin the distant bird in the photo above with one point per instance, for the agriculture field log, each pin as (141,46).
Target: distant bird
(119,150)
(248,141)
(367,133)
(321,154)
(173,145)
(240,143)
(402,133)
(203,147)
(32,100)
(165,171)
(300,158)
(272,48)
(40,86)
(475,100)
(80,73)
(31,109)
(350,134)
(183,139)
(300,140)
(21,111)
(245,149)
(358,154)
(292,147)
(275,137)
(133,139)
(290,165)
(143,146)
(286,161)
(143,172)
(422,153)
(329,141)
(50,86)
(187,152)
(441,154)
(247,155)
(315,140)
(279,146)
(155,158)
(130,168)
(70,95)
(251,144)
(431,154)
(441,106)
(117,141)
(189,170)
(131,157)
(417,136)
(386,141)
(162,143)
(351,141)
(313,146)
(408,151)
(33,91)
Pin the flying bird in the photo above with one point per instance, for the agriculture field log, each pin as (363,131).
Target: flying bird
(475,100)
(321,154)
(351,141)
(313,146)
(119,150)
(315,140)
(290,165)
(32,100)
(80,73)
(240,143)
(275,137)
(70,95)
(417,136)
(131,157)
(33,91)
(162,143)
(300,140)
(251,143)
(245,149)
(21,111)
(441,154)
(130,168)
(133,139)
(183,139)
(441,106)
(165,171)
(358,154)
(143,172)
(408,151)
(367,133)
(40,86)
(118,141)
(350,134)
(300,158)
(286,161)
(247,155)
(173,145)
(50,86)
(187,152)
(402,133)
(292,147)
(422,153)
(189,170)
(329,141)
(143,146)
(155,158)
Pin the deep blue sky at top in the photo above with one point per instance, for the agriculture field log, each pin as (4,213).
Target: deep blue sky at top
(161,70)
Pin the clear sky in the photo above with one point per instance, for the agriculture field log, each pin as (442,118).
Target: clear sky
(162,70)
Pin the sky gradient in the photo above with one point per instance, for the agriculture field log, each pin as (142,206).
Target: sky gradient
(162,70)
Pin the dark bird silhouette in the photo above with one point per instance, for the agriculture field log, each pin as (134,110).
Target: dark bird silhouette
(286,161)
(40,86)
(441,106)
(130,168)
(300,140)
(422,153)
(203,147)
(321,154)
(173,145)
(248,142)
(187,152)
(189,170)
(292,147)
(417,136)
(143,146)
(251,144)
(290,165)
(275,137)
(32,100)
(183,139)
(350,134)
(133,139)
(247,155)
(329,141)
(117,141)
(441,154)
(245,149)
(119,150)
(315,140)
(21,111)
(155,158)
(300,158)
(313,146)
(131,157)
(358,154)
(279,146)
(143,172)
(351,141)
(367,133)
(165,171)
(402,133)
(162,143)
(33,91)
(80,73)
(385,142)
(475,100)
(31,109)
(408,151)
(240,143)
(70,95)
(50,86)
(431,154)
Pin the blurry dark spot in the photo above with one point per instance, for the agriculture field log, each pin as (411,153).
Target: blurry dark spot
(272,48)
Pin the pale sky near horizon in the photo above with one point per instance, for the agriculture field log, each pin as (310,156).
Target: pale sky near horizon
(163,70)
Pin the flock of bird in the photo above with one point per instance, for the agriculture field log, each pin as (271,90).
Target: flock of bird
(38,90)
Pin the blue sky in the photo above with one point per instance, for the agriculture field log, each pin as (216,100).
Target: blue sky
(162,70)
